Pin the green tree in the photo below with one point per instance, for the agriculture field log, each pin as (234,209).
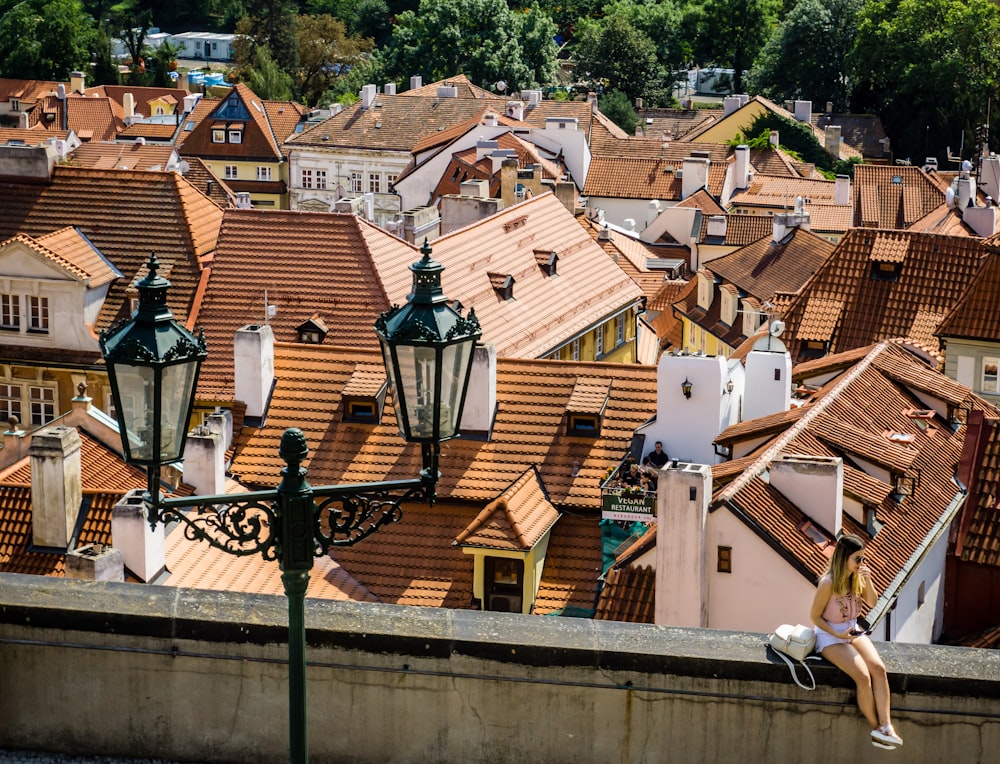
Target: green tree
(731,32)
(661,22)
(164,61)
(611,54)
(480,38)
(131,26)
(929,67)
(618,108)
(44,40)
(808,54)
(273,25)
(326,52)
(266,78)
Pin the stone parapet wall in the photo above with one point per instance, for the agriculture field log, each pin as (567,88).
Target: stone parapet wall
(157,672)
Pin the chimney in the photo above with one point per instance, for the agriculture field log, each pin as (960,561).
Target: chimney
(477,188)
(95,562)
(204,461)
(481,400)
(534,97)
(695,175)
(128,105)
(56,488)
(142,548)
(730,104)
(803,111)
(76,82)
(22,120)
(447,91)
(833,140)
(768,387)
(773,138)
(989,177)
(742,167)
(964,193)
(814,484)
(515,110)
(842,190)
(367,96)
(14,443)
(416,82)
(985,221)
(682,500)
(829,107)
(389,88)
(491,119)
(784,222)
(209,187)
(566,193)
(717,225)
(485,148)
(190,101)
(243,200)
(592,97)
(508,181)
(253,354)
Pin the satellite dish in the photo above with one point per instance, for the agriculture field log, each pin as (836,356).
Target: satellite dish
(776,328)
(949,197)
(501,85)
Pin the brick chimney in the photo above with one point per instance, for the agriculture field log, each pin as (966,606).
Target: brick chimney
(682,500)
(253,356)
(142,548)
(56,488)
(814,484)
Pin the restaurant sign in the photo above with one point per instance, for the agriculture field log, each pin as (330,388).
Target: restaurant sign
(640,507)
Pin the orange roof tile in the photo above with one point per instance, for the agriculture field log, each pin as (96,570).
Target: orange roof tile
(646,178)
(122,156)
(464,85)
(975,315)
(781,191)
(674,124)
(893,196)
(628,595)
(241,107)
(516,520)
(978,530)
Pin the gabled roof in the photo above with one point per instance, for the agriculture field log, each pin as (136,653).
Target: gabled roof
(893,196)
(975,315)
(31,136)
(628,595)
(546,311)
(862,131)
(89,118)
(200,175)
(126,215)
(634,257)
(462,83)
(741,230)
(978,536)
(674,124)
(142,96)
(122,156)
(847,419)
(647,178)
(241,107)
(781,191)
(71,251)
(304,264)
(849,307)
(26,90)
(516,520)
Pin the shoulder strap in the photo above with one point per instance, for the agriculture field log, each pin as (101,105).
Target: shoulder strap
(791,667)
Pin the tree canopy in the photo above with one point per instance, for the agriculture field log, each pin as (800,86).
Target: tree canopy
(611,54)
(44,39)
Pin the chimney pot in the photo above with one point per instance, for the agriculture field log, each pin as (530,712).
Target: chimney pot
(56,487)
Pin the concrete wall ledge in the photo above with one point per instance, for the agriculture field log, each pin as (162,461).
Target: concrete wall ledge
(173,647)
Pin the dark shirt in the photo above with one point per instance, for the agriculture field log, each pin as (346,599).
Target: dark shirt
(657,459)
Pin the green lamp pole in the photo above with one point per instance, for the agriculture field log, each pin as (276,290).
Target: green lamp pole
(153,364)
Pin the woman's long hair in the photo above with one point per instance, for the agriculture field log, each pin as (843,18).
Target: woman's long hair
(845,582)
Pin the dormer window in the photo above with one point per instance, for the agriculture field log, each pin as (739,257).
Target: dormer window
(364,394)
(585,408)
(904,485)
(814,348)
(218,135)
(886,271)
(503,285)
(586,425)
(706,285)
(546,260)
(235,135)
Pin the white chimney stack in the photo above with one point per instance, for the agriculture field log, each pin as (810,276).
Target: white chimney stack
(142,548)
(768,387)
(695,175)
(481,400)
(253,354)
(842,190)
(717,225)
(742,167)
(367,96)
(515,110)
(814,484)
(682,504)
(730,104)
(205,461)
(803,111)
(416,82)
(485,148)
(56,487)
(389,88)
(128,105)
(447,91)
(964,192)
(833,133)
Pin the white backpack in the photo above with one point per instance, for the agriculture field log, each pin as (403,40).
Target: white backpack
(794,645)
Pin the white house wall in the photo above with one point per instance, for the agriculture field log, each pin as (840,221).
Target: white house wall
(617,210)
(763,590)
(338,164)
(911,621)
(571,143)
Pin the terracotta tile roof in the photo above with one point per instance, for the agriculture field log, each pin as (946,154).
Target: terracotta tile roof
(829,218)
(449,134)
(634,257)
(153,131)
(862,486)
(572,564)
(751,429)
(845,305)
(529,429)
(143,96)
(674,124)
(284,118)
(122,156)
(893,196)
(978,530)
(975,315)
(646,178)
(847,420)
(199,174)
(26,91)
(641,148)
(241,107)
(30,137)
(773,162)
(862,131)
(629,595)
(781,191)
(741,230)
(89,118)
(307,263)
(517,520)
(464,85)
(944,220)
(545,311)
(126,215)
(73,251)
(704,201)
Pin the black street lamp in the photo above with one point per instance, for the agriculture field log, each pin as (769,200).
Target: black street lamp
(153,364)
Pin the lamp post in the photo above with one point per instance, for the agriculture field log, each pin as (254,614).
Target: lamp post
(153,364)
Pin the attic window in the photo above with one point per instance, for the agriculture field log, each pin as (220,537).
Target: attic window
(903,486)
(218,135)
(585,408)
(235,135)
(814,348)
(883,271)
(897,179)
(503,285)
(922,418)
(815,534)
(903,438)
(547,259)
(364,394)
(586,425)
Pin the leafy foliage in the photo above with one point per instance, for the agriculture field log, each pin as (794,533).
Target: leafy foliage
(729,33)
(618,108)
(267,79)
(45,40)
(614,55)
(326,53)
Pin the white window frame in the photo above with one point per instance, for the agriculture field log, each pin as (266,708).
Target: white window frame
(263,172)
(235,135)
(375,182)
(10,312)
(990,377)
(575,354)
(38,314)
(10,402)
(306,178)
(619,331)
(42,404)
(356,181)
(321,180)
(599,342)
(231,172)
(218,135)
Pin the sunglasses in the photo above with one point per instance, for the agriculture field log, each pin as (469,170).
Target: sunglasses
(861,559)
